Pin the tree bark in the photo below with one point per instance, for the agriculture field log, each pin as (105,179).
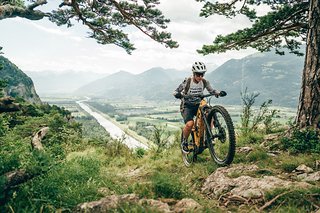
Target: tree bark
(308,114)
(16,177)
(36,140)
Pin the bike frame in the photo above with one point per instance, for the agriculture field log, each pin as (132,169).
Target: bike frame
(201,124)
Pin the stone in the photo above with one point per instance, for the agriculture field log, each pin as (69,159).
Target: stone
(107,203)
(220,183)
(156,204)
(303,168)
(187,205)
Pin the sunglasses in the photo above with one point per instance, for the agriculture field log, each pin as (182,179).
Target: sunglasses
(199,74)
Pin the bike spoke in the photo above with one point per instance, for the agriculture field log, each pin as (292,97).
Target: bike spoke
(222,143)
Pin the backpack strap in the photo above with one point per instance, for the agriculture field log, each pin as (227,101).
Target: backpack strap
(204,81)
(187,87)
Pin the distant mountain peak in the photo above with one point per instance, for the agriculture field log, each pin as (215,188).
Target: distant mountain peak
(122,73)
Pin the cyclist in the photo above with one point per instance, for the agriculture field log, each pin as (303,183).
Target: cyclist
(192,87)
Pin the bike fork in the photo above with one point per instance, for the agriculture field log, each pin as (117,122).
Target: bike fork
(208,129)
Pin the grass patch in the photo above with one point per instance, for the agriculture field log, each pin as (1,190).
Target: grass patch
(65,185)
(288,163)
(166,185)
(296,200)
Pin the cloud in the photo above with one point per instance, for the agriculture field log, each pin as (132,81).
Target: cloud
(57,31)
(60,48)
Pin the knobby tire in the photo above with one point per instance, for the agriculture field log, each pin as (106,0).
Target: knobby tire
(225,143)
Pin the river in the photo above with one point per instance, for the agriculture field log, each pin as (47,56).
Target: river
(114,130)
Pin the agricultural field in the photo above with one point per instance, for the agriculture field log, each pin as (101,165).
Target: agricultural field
(139,118)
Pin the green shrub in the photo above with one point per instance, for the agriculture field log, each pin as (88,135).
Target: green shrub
(257,120)
(250,138)
(64,186)
(140,152)
(116,148)
(289,166)
(141,189)
(167,186)
(257,155)
(302,141)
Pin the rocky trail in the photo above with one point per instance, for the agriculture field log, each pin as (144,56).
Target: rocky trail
(233,186)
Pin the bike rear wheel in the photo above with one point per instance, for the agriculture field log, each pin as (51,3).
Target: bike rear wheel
(188,157)
(223,143)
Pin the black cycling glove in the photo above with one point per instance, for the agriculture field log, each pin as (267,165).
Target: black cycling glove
(222,93)
(178,95)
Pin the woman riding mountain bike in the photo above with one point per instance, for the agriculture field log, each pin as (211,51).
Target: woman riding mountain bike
(190,91)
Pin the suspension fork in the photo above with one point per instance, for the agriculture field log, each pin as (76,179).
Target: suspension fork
(208,129)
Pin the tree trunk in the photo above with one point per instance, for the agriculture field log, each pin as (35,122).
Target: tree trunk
(308,114)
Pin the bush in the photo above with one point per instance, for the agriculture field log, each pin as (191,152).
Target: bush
(66,185)
(260,120)
(251,138)
(139,152)
(116,148)
(167,186)
(302,141)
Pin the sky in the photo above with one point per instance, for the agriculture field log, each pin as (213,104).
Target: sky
(43,46)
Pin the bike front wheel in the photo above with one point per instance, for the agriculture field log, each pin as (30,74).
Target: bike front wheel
(221,139)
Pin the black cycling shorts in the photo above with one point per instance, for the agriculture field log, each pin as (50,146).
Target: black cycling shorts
(188,112)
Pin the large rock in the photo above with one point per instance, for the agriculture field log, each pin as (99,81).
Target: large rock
(187,205)
(109,203)
(243,188)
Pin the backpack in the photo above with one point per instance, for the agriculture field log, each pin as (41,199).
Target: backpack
(186,89)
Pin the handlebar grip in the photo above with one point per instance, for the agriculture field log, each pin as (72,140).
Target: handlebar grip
(222,93)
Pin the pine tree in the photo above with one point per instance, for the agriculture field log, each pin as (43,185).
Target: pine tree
(288,24)
(106,19)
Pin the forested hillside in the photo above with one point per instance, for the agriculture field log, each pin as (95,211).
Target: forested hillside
(19,85)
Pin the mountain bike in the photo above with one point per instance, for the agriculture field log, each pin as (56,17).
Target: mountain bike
(213,129)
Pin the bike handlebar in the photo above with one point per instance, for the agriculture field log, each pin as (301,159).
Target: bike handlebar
(221,94)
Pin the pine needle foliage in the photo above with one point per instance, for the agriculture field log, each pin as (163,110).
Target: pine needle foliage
(108,22)
(284,26)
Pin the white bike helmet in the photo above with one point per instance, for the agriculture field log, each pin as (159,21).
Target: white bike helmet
(199,67)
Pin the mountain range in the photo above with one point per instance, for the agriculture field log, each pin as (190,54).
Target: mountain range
(273,76)
(154,84)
